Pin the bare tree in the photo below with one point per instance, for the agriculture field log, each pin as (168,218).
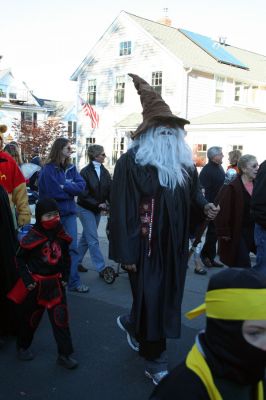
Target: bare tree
(37,137)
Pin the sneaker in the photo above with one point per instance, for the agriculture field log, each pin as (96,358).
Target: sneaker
(157,376)
(217,264)
(207,262)
(80,289)
(25,354)
(132,342)
(81,268)
(67,362)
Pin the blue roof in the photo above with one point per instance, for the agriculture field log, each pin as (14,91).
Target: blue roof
(214,49)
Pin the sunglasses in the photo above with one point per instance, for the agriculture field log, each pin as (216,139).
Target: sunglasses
(103,154)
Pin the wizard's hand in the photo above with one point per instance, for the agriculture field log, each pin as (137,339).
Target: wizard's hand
(130,267)
(211,211)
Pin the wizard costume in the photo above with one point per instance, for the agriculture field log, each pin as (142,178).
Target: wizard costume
(149,227)
(222,365)
(43,258)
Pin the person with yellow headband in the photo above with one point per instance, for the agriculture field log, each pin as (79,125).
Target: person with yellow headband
(228,359)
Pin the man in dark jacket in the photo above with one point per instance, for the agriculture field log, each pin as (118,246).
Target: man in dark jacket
(258,209)
(91,203)
(154,183)
(211,179)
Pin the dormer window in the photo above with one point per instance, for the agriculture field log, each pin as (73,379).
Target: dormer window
(125,48)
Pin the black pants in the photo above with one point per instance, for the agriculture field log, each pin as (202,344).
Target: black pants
(149,350)
(31,315)
(209,248)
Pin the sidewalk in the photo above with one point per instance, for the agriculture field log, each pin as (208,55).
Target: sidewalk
(108,368)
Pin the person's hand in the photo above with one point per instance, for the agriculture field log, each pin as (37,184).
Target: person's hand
(130,267)
(211,211)
(64,283)
(31,286)
(226,238)
(103,206)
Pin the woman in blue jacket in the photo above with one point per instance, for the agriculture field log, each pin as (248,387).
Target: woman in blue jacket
(60,180)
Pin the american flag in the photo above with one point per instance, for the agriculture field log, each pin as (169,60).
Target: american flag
(90,112)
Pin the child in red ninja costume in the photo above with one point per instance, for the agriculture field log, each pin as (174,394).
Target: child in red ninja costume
(44,264)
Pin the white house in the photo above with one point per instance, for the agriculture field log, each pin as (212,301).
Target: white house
(221,89)
(17,102)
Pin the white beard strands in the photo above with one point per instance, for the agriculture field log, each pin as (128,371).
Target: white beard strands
(166,150)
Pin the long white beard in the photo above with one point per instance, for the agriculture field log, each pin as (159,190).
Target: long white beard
(165,149)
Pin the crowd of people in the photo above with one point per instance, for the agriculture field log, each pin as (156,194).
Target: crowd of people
(156,203)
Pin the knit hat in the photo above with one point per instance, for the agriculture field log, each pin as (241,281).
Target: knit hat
(45,206)
(155,110)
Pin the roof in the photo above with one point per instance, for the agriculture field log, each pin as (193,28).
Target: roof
(232,115)
(4,72)
(191,54)
(131,121)
(195,57)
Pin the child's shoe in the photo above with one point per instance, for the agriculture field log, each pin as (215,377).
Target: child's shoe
(25,354)
(67,361)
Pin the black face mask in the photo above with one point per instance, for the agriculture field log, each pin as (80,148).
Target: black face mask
(229,355)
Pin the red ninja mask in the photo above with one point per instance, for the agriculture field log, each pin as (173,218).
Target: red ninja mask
(52,223)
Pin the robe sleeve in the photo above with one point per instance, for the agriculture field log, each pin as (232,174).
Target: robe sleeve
(196,196)
(124,223)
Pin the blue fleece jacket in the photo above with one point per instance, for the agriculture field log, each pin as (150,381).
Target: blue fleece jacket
(61,185)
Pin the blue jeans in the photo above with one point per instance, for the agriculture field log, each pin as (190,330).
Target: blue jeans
(89,238)
(260,241)
(70,224)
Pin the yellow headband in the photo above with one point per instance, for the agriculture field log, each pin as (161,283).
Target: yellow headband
(234,304)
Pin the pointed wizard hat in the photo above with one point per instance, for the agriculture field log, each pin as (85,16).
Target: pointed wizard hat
(155,110)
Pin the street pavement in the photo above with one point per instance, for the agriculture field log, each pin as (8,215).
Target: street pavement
(108,368)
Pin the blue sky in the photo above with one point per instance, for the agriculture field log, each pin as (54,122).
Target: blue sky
(43,42)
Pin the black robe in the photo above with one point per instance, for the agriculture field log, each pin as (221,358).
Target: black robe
(8,270)
(160,278)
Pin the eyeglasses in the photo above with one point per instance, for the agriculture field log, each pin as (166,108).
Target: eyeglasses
(103,154)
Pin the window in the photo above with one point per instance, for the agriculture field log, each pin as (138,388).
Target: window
(118,148)
(125,49)
(219,90)
(246,92)
(200,154)
(3,91)
(156,81)
(238,147)
(254,93)
(92,91)
(28,117)
(237,91)
(89,142)
(120,89)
